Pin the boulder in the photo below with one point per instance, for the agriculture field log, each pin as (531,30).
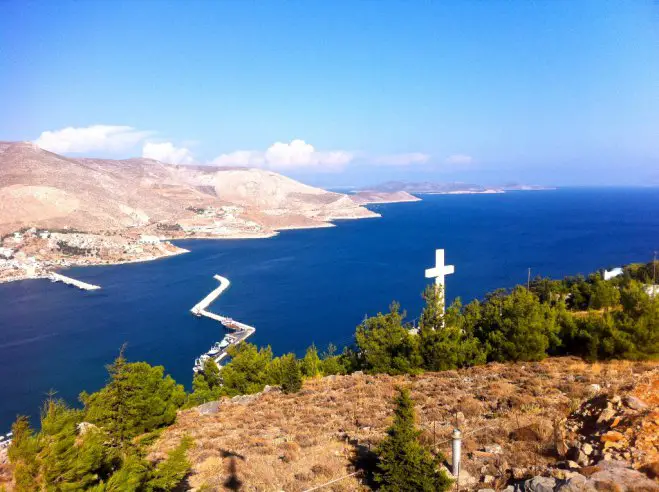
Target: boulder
(616,475)
(540,484)
(577,483)
(209,408)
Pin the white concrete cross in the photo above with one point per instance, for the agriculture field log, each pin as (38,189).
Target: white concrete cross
(439,272)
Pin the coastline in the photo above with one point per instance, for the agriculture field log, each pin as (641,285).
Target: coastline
(180,251)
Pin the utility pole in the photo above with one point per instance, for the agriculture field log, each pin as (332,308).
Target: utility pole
(654,269)
(528,280)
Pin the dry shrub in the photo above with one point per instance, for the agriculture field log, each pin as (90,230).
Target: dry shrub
(471,407)
(290,451)
(322,470)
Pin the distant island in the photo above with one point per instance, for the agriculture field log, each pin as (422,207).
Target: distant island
(452,188)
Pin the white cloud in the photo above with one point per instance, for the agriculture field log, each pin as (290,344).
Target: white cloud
(459,159)
(167,152)
(105,138)
(285,156)
(401,159)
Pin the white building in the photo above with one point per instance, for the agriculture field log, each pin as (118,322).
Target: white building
(6,252)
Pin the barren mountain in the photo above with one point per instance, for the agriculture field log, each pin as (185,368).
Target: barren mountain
(42,189)
(56,211)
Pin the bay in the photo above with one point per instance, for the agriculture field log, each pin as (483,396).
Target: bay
(305,286)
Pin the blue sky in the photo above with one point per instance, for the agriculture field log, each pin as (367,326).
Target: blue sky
(343,93)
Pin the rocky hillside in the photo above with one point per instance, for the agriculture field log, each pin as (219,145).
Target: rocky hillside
(46,190)
(560,424)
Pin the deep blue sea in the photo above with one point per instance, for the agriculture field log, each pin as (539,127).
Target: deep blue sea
(305,286)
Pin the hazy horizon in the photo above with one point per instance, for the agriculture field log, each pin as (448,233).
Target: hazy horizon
(344,93)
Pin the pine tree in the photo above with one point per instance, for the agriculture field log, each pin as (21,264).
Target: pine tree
(403,463)
(169,473)
(311,363)
(23,455)
(291,374)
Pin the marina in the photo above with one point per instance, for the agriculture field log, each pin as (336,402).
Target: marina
(241,331)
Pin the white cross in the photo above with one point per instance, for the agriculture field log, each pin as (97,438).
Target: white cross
(439,271)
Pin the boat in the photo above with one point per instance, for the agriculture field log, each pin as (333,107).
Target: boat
(215,349)
(199,363)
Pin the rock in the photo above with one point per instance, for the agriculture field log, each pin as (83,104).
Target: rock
(593,389)
(572,465)
(540,484)
(616,475)
(577,483)
(616,399)
(561,447)
(486,490)
(209,408)
(587,449)
(575,454)
(358,373)
(519,473)
(488,479)
(243,399)
(493,449)
(607,414)
(635,403)
(612,436)
(84,427)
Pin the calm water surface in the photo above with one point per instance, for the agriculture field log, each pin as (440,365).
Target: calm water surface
(305,286)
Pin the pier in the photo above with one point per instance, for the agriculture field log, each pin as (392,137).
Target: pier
(56,277)
(241,331)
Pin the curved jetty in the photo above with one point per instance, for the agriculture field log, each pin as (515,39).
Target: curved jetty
(57,277)
(241,330)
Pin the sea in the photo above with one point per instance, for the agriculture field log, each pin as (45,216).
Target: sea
(305,287)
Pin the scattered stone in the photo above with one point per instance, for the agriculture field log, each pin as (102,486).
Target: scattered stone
(612,436)
(587,449)
(493,449)
(486,490)
(358,373)
(488,479)
(572,465)
(519,473)
(635,403)
(607,414)
(593,389)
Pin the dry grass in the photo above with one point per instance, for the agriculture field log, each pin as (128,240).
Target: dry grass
(293,442)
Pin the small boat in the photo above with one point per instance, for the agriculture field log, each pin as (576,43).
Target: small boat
(215,349)
(199,363)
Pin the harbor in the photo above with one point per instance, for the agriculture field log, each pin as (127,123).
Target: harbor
(57,277)
(241,331)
